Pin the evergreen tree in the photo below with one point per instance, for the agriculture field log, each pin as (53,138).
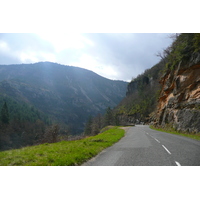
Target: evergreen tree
(5,114)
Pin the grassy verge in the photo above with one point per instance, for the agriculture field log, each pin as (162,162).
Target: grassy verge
(62,153)
(193,136)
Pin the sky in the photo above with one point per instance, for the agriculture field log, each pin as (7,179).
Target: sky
(115,39)
(117,56)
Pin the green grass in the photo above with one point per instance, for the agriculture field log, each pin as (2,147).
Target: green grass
(192,135)
(65,153)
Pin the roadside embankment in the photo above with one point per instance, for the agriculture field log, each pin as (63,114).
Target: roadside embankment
(65,153)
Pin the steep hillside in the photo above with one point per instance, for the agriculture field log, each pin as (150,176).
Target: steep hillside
(179,101)
(141,97)
(67,94)
(20,123)
(168,94)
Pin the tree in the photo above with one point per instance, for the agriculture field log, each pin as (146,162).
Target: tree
(88,126)
(55,132)
(97,124)
(108,118)
(116,120)
(51,134)
(4,114)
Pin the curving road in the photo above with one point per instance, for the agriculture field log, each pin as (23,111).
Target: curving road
(143,146)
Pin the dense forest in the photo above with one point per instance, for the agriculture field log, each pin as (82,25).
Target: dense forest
(48,102)
(98,122)
(23,125)
(67,94)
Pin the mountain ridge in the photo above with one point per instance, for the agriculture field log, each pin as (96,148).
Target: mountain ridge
(68,94)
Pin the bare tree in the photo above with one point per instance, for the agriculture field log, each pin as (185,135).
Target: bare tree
(51,134)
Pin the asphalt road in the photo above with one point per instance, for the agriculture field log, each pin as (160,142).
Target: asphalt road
(143,146)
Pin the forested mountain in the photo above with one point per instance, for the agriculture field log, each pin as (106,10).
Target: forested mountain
(21,124)
(68,95)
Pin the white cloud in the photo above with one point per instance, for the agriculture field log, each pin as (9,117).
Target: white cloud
(28,57)
(62,41)
(88,62)
(4,46)
(92,63)
(47,57)
(115,56)
(109,71)
(31,57)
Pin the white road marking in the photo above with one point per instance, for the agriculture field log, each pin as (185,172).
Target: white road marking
(157,140)
(177,163)
(153,137)
(166,149)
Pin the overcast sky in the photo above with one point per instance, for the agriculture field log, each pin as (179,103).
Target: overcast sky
(112,55)
(114,48)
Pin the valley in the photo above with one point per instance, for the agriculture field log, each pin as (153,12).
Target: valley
(45,100)
(67,94)
(42,96)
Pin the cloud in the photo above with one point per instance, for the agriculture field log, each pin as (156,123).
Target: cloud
(62,41)
(129,54)
(24,48)
(113,55)
(4,46)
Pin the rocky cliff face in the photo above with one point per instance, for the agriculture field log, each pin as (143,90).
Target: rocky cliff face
(175,102)
(179,102)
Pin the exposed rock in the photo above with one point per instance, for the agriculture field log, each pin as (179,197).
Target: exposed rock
(132,88)
(130,119)
(179,102)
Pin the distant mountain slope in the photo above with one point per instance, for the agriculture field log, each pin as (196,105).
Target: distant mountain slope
(67,94)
